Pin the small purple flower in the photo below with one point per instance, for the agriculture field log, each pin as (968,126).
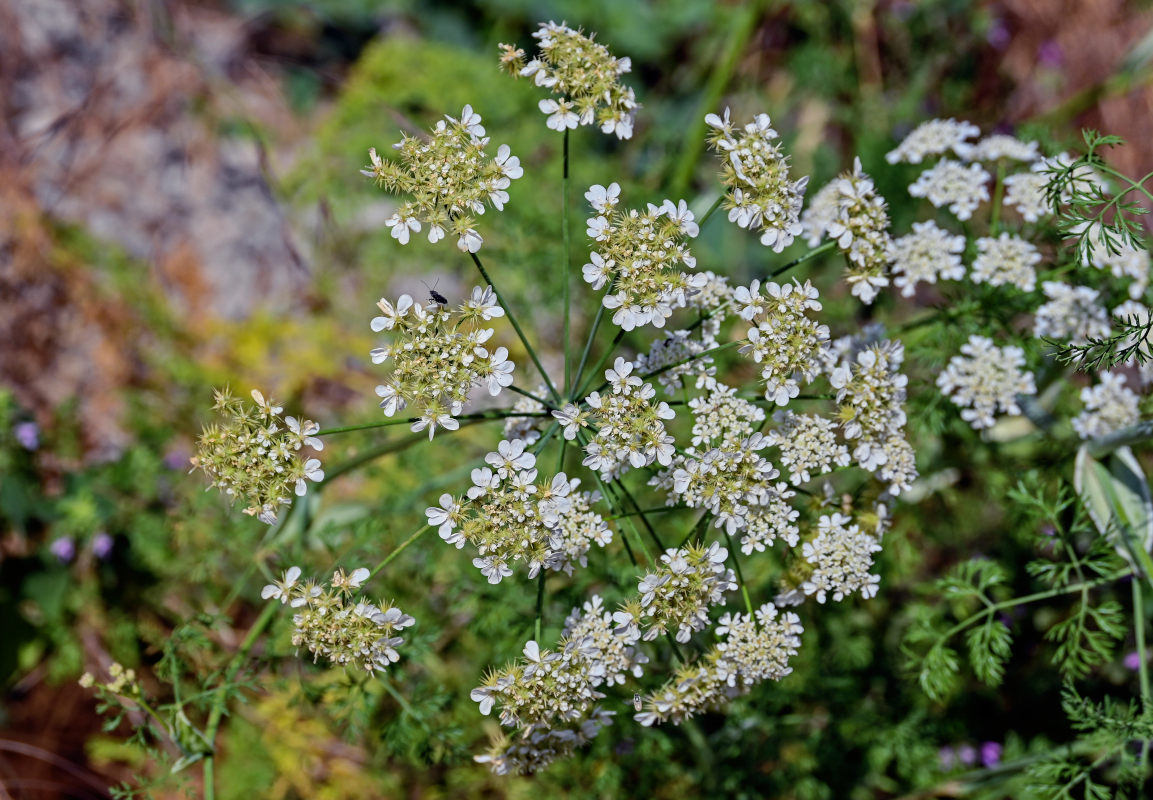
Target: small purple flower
(998,35)
(1133,661)
(991,754)
(101,545)
(947,757)
(64,549)
(177,458)
(27,434)
(1050,55)
(967,755)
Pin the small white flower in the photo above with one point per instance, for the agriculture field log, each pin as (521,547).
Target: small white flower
(312,472)
(401,226)
(561,114)
(281,589)
(470,121)
(603,200)
(469,241)
(508,163)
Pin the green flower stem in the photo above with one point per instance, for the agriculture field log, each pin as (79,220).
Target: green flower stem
(516,327)
(567,266)
(1013,602)
(998,194)
(696,530)
(1142,670)
(656,510)
(588,347)
(636,506)
(712,210)
(816,251)
(613,501)
(539,603)
(599,368)
(400,548)
(478,417)
(530,396)
(384,449)
(741,579)
(216,712)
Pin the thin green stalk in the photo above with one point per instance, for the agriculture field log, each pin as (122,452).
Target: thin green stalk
(530,396)
(644,520)
(567,266)
(741,578)
(479,416)
(597,370)
(399,549)
(744,24)
(539,604)
(1142,670)
(588,348)
(998,193)
(516,327)
(396,446)
(696,529)
(655,510)
(816,251)
(712,210)
(216,712)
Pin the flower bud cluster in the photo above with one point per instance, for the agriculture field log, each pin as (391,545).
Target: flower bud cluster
(509,518)
(630,429)
(123,681)
(852,214)
(438,355)
(751,650)
(784,341)
(871,399)
(756,170)
(584,77)
(448,178)
(549,696)
(1073,314)
(1109,406)
(985,379)
(677,595)
(251,456)
(338,625)
(640,255)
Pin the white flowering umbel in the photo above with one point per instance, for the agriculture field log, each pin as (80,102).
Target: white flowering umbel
(448,178)
(1006,261)
(808,445)
(335,623)
(1127,262)
(959,187)
(678,594)
(926,255)
(548,697)
(438,356)
(751,650)
(784,340)
(871,399)
(583,76)
(985,379)
(859,224)
(1025,192)
(1073,314)
(255,455)
(934,137)
(630,429)
(755,169)
(510,517)
(641,257)
(840,557)
(1109,406)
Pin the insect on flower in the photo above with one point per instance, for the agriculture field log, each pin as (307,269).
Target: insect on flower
(435,296)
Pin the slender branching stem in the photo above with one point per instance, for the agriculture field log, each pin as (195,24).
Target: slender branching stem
(567,265)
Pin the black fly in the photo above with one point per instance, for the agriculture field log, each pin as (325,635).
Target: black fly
(435,296)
